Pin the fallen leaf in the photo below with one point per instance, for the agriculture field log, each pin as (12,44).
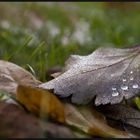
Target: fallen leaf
(16,123)
(40,102)
(108,74)
(123,113)
(91,122)
(11,75)
(56,74)
(54,130)
(120,125)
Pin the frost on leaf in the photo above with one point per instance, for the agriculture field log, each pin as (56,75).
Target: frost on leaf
(108,75)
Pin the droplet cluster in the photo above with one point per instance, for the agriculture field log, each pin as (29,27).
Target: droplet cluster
(124,85)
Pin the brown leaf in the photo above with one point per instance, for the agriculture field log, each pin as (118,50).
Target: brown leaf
(124,113)
(12,74)
(12,118)
(16,123)
(123,126)
(54,130)
(40,102)
(108,74)
(91,122)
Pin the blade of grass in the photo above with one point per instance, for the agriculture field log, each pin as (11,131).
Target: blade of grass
(32,70)
(27,40)
(37,49)
(137,102)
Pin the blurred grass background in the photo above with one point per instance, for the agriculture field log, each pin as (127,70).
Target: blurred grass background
(42,35)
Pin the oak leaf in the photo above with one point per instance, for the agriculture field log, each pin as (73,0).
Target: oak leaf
(108,74)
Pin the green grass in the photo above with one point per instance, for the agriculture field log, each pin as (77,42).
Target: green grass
(24,43)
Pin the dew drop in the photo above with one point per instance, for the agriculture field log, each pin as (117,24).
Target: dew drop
(115,92)
(131,78)
(131,72)
(124,80)
(124,87)
(113,88)
(135,86)
(112,75)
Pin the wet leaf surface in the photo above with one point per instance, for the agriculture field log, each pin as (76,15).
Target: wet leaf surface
(108,74)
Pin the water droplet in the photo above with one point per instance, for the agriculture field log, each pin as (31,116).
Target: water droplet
(135,86)
(131,72)
(112,75)
(115,92)
(113,88)
(131,78)
(124,87)
(124,80)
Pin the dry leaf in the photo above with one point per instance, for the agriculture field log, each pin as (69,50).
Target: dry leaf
(108,74)
(40,102)
(16,123)
(91,122)
(123,113)
(54,130)
(12,74)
